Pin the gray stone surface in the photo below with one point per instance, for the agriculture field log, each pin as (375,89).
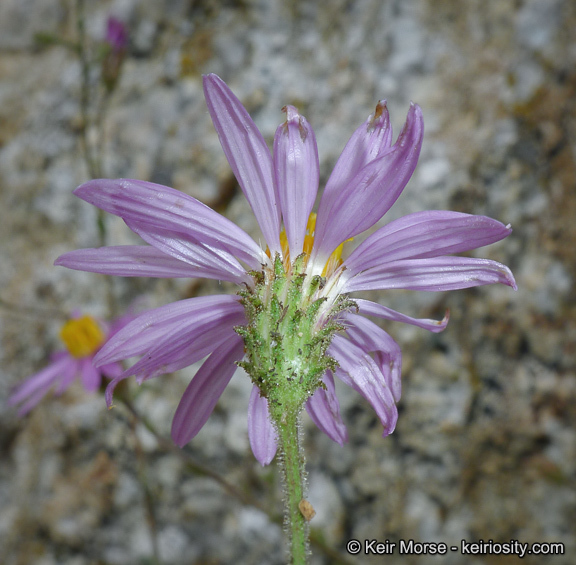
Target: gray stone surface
(485,447)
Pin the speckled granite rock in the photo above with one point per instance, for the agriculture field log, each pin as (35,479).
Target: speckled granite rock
(485,446)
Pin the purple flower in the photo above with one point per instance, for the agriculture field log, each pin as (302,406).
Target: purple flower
(187,239)
(116,34)
(83,337)
(115,52)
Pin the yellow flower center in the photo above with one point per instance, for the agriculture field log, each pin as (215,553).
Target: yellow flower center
(82,336)
(335,259)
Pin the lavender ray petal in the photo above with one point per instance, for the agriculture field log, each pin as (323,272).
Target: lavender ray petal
(69,373)
(358,370)
(109,393)
(41,380)
(370,141)
(159,208)
(203,392)
(324,409)
(33,400)
(433,274)
(139,261)
(372,191)
(372,339)
(184,346)
(261,432)
(212,262)
(296,174)
(247,154)
(425,234)
(170,358)
(368,308)
(144,332)
(91,376)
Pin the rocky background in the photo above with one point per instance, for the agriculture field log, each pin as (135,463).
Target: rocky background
(485,447)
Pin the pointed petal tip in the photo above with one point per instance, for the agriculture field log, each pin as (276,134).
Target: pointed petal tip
(505,275)
(68,259)
(109,394)
(211,79)
(414,124)
(380,118)
(215,88)
(441,324)
(389,428)
(341,438)
(88,186)
(265,461)
(291,112)
(177,436)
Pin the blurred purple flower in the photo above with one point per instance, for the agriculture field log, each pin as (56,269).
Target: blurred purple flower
(188,239)
(116,34)
(117,42)
(83,337)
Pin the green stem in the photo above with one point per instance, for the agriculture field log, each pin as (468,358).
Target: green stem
(292,466)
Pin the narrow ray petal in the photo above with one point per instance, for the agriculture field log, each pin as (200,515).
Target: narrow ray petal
(372,191)
(91,376)
(205,389)
(324,409)
(138,261)
(296,174)
(371,140)
(213,261)
(373,339)
(368,308)
(69,373)
(425,234)
(34,399)
(160,208)
(261,432)
(358,370)
(178,349)
(146,330)
(187,344)
(41,380)
(248,155)
(435,274)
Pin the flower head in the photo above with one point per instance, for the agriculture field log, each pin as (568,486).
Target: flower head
(293,325)
(83,337)
(116,44)
(116,34)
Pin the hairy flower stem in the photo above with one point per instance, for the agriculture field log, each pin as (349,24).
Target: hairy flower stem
(286,356)
(292,467)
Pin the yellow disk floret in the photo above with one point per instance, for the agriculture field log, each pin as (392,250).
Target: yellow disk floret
(82,336)
(335,259)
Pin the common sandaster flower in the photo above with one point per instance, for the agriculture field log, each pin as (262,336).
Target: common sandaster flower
(116,34)
(83,337)
(293,319)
